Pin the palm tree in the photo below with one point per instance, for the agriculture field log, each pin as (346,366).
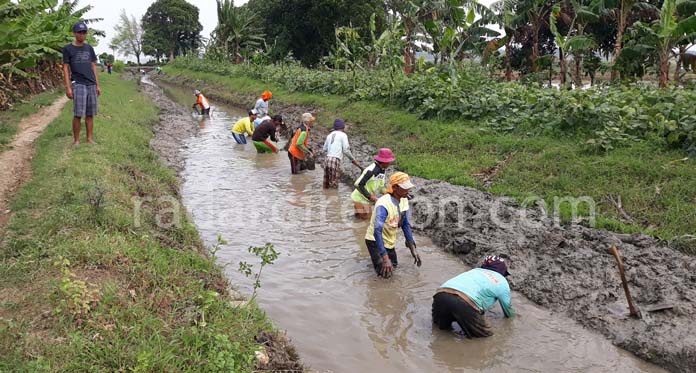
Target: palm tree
(237,28)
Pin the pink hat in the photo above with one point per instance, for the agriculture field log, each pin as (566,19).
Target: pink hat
(385,155)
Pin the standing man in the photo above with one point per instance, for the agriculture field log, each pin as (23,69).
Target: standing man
(390,214)
(81,81)
(336,146)
(267,129)
(465,298)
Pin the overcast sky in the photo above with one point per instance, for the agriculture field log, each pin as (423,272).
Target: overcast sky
(110,10)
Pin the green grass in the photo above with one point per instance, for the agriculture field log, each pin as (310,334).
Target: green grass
(84,288)
(657,188)
(9,120)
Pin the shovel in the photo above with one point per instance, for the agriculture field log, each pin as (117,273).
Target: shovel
(633,311)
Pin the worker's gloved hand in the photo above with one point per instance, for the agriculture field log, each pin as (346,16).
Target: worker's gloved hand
(414,252)
(387,267)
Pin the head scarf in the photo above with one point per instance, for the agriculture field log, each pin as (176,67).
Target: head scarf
(266,95)
(396,179)
(307,118)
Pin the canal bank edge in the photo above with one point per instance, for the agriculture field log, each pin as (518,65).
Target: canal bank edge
(85,288)
(565,268)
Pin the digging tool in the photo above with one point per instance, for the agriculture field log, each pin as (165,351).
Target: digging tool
(619,308)
(633,311)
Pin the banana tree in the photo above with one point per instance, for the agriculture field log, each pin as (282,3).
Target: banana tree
(536,13)
(586,12)
(505,17)
(237,30)
(567,44)
(670,30)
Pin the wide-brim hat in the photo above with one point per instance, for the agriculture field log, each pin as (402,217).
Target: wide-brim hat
(385,155)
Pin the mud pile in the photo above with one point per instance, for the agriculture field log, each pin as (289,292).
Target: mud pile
(565,268)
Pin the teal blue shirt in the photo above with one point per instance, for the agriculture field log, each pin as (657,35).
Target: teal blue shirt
(484,287)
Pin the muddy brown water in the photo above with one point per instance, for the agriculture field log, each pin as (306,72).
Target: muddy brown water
(323,291)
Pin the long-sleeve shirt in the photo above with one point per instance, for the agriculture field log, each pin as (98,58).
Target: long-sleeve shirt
(370,182)
(243,125)
(389,215)
(265,130)
(484,287)
(336,145)
(261,107)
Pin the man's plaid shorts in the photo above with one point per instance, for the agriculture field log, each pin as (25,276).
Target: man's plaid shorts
(85,100)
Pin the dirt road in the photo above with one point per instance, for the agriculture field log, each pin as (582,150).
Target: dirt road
(15,163)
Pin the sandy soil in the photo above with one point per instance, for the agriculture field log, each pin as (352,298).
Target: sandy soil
(15,163)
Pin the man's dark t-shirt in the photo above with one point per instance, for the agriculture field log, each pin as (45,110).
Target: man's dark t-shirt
(80,60)
(264,131)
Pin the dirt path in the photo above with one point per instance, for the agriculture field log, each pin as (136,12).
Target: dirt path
(15,163)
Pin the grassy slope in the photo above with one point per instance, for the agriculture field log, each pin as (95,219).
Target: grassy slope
(657,190)
(10,119)
(160,304)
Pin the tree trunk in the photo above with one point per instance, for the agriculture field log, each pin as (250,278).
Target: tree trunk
(677,71)
(137,58)
(578,75)
(664,68)
(619,36)
(407,51)
(508,67)
(564,68)
(535,48)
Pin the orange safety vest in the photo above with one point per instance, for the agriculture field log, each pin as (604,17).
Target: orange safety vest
(203,101)
(293,149)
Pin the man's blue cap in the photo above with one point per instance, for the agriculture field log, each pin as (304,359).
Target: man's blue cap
(79,27)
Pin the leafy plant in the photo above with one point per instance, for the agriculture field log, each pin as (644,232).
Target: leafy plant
(80,297)
(268,255)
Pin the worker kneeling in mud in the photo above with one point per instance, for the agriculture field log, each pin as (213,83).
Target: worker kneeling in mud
(465,298)
(202,102)
(390,214)
(262,133)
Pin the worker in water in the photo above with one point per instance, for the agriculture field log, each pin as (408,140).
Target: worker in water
(298,150)
(336,146)
(262,103)
(267,129)
(260,119)
(244,126)
(202,102)
(390,214)
(371,182)
(466,297)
